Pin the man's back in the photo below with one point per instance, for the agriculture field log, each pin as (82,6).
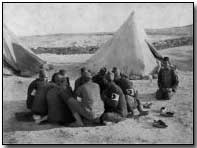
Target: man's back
(121,107)
(90,94)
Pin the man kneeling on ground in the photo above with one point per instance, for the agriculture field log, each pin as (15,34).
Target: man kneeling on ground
(114,102)
(167,81)
(131,95)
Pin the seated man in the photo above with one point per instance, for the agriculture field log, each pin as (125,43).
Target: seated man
(90,107)
(34,86)
(39,105)
(80,80)
(131,95)
(114,101)
(167,81)
(100,79)
(89,93)
(58,110)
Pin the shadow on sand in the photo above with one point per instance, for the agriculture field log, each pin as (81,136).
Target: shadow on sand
(17,118)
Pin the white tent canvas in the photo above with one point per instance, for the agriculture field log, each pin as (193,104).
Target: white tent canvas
(17,56)
(126,50)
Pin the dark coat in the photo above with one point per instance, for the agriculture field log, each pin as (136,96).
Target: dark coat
(168,78)
(124,84)
(110,105)
(101,81)
(39,105)
(30,97)
(58,110)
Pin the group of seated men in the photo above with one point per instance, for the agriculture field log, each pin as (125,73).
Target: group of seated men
(108,96)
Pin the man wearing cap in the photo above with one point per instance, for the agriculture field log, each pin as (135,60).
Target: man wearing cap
(80,80)
(114,101)
(131,95)
(100,79)
(167,81)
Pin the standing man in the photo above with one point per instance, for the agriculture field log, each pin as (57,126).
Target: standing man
(167,81)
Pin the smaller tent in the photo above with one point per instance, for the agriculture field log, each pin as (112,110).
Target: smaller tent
(17,57)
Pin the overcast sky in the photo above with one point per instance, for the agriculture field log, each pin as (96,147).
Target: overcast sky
(41,18)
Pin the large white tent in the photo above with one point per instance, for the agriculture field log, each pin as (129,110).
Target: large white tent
(127,50)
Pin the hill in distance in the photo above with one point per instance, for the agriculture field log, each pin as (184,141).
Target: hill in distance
(65,40)
(179,31)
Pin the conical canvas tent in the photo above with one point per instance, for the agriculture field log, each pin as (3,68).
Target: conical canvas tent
(18,57)
(126,50)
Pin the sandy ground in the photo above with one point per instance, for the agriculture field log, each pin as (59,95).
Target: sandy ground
(132,131)
(62,59)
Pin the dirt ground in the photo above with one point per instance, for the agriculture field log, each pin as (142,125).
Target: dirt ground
(130,131)
(134,131)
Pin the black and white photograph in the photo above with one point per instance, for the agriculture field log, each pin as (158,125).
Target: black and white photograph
(97,73)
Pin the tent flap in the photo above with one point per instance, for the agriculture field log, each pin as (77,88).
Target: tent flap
(19,57)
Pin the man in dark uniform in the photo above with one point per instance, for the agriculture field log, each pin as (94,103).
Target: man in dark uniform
(167,81)
(58,110)
(114,101)
(36,100)
(34,86)
(100,79)
(131,95)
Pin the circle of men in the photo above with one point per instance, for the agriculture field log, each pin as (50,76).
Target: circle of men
(107,97)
